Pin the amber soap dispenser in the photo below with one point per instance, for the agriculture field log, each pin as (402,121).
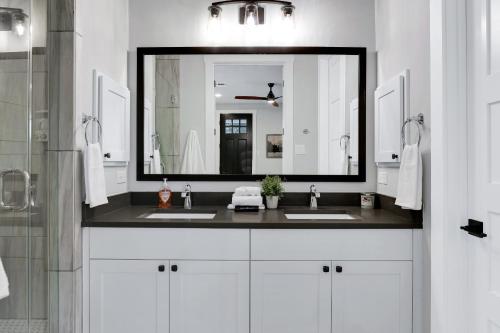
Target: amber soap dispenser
(165,195)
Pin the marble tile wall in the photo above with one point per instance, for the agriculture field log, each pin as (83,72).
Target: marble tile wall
(65,165)
(167,110)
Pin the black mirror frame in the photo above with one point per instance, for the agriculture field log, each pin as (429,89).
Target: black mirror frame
(359,51)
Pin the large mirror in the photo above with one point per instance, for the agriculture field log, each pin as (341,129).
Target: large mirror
(238,113)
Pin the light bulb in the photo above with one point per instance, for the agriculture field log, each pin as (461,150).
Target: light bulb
(218,95)
(19,29)
(251,19)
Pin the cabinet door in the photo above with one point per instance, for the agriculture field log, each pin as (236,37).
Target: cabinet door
(291,297)
(209,296)
(372,297)
(129,296)
(389,111)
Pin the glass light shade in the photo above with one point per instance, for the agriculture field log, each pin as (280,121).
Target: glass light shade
(251,14)
(288,16)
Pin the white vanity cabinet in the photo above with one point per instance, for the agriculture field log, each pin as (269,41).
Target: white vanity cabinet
(250,281)
(209,296)
(129,296)
(291,297)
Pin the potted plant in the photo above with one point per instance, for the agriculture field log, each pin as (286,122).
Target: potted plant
(272,189)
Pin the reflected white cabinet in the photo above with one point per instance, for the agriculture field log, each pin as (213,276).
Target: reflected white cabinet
(389,113)
(372,297)
(291,297)
(209,296)
(129,296)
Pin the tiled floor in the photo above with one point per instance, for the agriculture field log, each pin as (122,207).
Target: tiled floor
(21,326)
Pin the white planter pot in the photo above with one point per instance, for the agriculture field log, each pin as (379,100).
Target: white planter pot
(272,202)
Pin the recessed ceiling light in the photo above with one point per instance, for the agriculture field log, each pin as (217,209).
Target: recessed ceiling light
(218,95)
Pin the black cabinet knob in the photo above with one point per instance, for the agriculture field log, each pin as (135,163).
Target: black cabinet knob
(174,268)
(395,157)
(107,155)
(161,268)
(338,269)
(326,269)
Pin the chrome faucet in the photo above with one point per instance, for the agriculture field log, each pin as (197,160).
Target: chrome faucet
(314,195)
(187,196)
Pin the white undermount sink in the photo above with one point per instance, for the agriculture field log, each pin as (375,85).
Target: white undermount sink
(181,216)
(319,216)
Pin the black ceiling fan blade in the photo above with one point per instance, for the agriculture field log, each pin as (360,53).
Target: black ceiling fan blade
(254,98)
(278,97)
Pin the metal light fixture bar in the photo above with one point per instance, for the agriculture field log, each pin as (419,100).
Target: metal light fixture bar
(251,12)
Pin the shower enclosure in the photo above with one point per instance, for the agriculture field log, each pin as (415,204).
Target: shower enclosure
(25,230)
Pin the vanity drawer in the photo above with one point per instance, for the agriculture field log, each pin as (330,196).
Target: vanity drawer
(338,244)
(156,243)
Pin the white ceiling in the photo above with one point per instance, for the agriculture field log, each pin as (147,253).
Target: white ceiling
(247,80)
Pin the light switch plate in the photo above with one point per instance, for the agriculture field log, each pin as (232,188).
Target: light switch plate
(121,176)
(382,177)
(300,149)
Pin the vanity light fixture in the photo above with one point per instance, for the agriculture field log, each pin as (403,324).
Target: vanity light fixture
(13,19)
(251,12)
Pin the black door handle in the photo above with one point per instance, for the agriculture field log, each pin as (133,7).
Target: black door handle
(395,156)
(161,268)
(107,155)
(338,269)
(474,228)
(326,269)
(174,268)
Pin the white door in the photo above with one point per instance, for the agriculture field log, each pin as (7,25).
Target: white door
(483,19)
(209,296)
(372,297)
(129,296)
(291,297)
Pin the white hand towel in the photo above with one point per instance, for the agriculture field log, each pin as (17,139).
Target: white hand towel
(410,179)
(344,161)
(95,183)
(192,161)
(4,282)
(246,200)
(156,163)
(248,191)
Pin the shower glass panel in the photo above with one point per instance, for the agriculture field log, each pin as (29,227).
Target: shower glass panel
(24,222)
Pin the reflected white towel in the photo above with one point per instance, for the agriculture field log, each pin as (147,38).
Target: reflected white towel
(344,161)
(410,179)
(192,161)
(4,282)
(248,191)
(95,183)
(156,163)
(247,200)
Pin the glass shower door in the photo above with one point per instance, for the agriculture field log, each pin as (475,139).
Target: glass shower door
(23,166)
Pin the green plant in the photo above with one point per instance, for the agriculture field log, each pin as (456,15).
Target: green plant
(272,186)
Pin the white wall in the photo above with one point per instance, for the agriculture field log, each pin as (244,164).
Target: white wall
(318,23)
(403,42)
(101,44)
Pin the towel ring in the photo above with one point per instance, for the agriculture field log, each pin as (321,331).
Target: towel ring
(87,120)
(344,138)
(418,121)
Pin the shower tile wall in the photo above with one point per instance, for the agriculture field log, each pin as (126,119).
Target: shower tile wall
(13,155)
(167,110)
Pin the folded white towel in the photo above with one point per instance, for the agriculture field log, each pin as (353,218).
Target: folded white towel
(4,282)
(95,183)
(410,179)
(248,191)
(232,207)
(192,161)
(247,200)
(344,161)
(156,163)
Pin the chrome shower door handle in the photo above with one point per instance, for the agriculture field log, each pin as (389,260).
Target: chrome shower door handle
(27,189)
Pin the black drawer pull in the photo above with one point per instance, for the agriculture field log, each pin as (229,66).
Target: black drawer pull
(395,156)
(107,155)
(161,268)
(326,269)
(338,269)
(174,268)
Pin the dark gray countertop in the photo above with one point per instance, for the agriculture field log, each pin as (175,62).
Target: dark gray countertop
(130,217)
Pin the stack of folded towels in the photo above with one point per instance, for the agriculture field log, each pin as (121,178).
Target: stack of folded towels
(247,196)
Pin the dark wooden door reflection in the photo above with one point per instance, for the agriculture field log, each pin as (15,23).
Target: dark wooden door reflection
(236,144)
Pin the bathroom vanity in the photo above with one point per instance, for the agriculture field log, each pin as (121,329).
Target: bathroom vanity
(251,272)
